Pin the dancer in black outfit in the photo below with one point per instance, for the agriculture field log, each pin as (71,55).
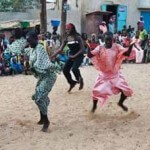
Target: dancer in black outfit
(74,41)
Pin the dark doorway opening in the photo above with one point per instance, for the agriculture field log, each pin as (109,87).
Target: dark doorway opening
(113,9)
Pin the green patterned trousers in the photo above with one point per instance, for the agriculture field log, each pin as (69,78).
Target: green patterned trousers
(44,86)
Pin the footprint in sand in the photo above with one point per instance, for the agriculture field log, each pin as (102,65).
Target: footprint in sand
(130,116)
(107,117)
(22,123)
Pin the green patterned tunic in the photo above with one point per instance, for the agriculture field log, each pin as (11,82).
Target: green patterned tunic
(45,71)
(17,46)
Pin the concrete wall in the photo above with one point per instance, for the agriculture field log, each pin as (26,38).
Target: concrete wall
(76,15)
(73,15)
(10,16)
(133,12)
(144,4)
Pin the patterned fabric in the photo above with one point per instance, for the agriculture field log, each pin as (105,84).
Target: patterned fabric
(27,51)
(43,87)
(45,71)
(17,46)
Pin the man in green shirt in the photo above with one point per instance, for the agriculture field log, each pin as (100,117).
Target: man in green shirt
(143,36)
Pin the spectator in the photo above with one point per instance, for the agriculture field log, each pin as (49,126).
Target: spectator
(42,40)
(103,27)
(11,40)
(111,26)
(129,30)
(50,43)
(132,32)
(18,45)
(55,35)
(7,68)
(27,69)
(93,42)
(140,23)
(143,36)
(147,50)
(86,60)
(124,30)
(17,68)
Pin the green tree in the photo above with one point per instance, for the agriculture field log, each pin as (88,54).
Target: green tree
(6,5)
(18,5)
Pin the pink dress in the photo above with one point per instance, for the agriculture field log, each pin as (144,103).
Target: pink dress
(138,50)
(110,80)
(126,43)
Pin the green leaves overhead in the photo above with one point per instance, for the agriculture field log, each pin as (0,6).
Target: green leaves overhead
(18,5)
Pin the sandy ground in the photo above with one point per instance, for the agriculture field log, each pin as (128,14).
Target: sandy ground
(72,125)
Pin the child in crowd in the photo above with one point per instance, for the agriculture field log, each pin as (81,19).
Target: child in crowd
(16,67)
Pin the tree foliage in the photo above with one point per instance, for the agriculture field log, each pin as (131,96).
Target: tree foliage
(18,5)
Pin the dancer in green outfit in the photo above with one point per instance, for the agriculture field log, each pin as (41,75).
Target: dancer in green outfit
(45,71)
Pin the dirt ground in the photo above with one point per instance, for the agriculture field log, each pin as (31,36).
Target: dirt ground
(73,127)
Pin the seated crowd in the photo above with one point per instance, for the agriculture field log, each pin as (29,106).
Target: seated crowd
(14,53)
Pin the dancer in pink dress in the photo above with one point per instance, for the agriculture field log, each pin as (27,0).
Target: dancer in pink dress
(107,59)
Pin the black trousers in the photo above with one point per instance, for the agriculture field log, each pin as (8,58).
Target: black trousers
(144,56)
(74,65)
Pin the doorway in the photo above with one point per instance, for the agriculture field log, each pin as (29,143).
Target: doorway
(146,16)
(113,9)
(120,13)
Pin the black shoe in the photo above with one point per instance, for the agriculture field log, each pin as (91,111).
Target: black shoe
(72,86)
(41,119)
(81,84)
(33,97)
(40,122)
(45,124)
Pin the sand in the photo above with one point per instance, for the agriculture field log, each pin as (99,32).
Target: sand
(73,127)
